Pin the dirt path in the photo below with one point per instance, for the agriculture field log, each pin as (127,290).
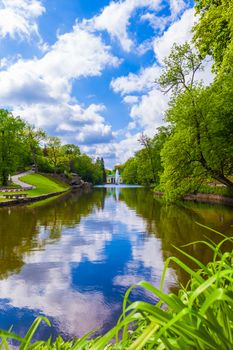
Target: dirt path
(15,179)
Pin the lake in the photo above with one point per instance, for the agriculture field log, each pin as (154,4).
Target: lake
(72,258)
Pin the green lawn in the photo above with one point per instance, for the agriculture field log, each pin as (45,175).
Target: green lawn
(44,184)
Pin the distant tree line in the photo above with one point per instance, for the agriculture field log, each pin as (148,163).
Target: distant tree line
(196,146)
(23,146)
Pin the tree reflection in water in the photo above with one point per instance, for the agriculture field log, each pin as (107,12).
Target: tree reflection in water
(73,257)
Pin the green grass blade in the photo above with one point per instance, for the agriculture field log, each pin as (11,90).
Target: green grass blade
(32,330)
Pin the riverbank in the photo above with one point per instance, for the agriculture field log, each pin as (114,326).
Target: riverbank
(42,187)
(209,198)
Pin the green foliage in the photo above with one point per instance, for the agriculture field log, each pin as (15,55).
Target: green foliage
(70,153)
(20,148)
(12,145)
(201,144)
(129,173)
(56,154)
(214,32)
(103,170)
(33,138)
(198,317)
(88,170)
(145,167)
(44,165)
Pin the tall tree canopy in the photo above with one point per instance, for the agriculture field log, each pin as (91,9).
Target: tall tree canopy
(145,167)
(201,144)
(12,145)
(213,33)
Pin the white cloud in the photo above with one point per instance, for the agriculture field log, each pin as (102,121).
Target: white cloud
(115,18)
(95,133)
(40,90)
(74,55)
(149,112)
(127,147)
(146,110)
(19,18)
(178,32)
(156,22)
(70,121)
(116,152)
(130,99)
(177,6)
(140,82)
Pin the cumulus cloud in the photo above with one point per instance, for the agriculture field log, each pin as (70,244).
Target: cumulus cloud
(156,22)
(130,99)
(177,6)
(140,82)
(149,112)
(146,110)
(178,32)
(74,55)
(115,19)
(159,22)
(70,121)
(19,18)
(96,133)
(116,152)
(40,89)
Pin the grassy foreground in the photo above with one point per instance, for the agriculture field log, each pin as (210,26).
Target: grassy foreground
(199,317)
(44,184)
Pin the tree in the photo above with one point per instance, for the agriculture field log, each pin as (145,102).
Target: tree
(34,137)
(71,153)
(201,142)
(55,152)
(145,167)
(103,170)
(88,170)
(179,70)
(12,145)
(213,33)
(148,152)
(129,173)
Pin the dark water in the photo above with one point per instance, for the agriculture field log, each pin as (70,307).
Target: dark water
(73,257)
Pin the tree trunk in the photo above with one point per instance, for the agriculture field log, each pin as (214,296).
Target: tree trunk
(5,177)
(222,179)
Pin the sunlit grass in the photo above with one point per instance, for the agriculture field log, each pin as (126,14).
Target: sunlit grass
(44,184)
(198,317)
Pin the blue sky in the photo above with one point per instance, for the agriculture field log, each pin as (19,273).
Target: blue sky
(84,70)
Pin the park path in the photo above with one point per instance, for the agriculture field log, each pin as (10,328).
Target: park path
(15,179)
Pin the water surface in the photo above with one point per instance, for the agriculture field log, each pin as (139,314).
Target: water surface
(72,258)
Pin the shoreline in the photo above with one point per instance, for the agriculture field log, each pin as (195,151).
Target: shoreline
(208,198)
(15,202)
